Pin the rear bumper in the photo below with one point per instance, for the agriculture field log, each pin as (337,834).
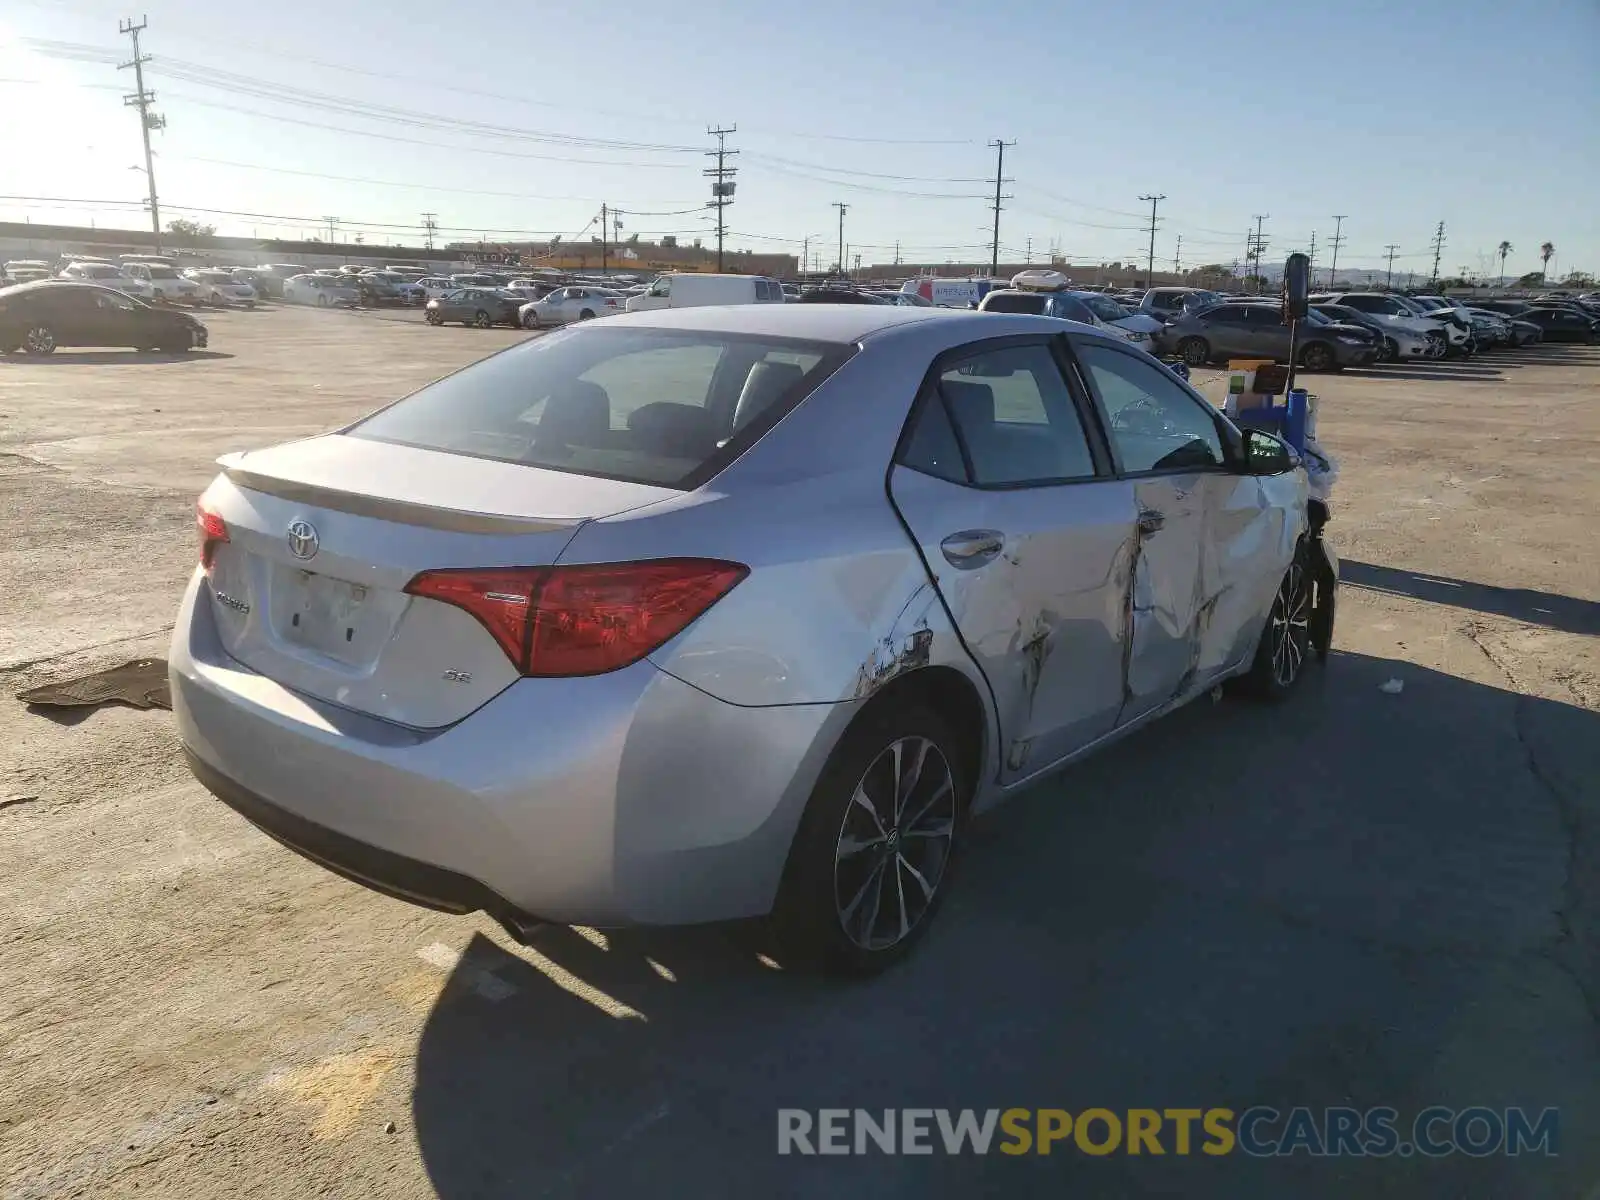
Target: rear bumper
(627,798)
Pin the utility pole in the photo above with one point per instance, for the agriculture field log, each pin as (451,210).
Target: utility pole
(1388,278)
(1177,256)
(722,184)
(1338,240)
(332,221)
(142,100)
(430,226)
(843,208)
(897,252)
(1150,262)
(1000,145)
(1438,250)
(1029,254)
(1257,246)
(605,216)
(1311,255)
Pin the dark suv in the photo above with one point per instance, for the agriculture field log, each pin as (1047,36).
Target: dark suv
(1249,329)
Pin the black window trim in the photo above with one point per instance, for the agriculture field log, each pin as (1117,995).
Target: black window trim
(1088,421)
(1232,440)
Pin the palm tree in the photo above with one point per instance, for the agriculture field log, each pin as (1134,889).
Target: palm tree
(1503,249)
(1546,253)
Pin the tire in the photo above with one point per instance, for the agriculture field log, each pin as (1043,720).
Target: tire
(1390,351)
(1285,644)
(837,911)
(482,319)
(41,339)
(1194,351)
(433,318)
(322,301)
(586,315)
(531,321)
(1317,357)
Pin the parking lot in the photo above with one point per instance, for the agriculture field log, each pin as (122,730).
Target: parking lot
(1361,898)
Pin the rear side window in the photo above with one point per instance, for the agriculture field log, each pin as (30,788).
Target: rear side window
(649,406)
(1002,303)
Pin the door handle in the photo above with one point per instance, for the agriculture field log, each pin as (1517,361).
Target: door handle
(972,547)
(1150,521)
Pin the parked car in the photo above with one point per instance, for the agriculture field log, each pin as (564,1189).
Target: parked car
(271,278)
(1564,325)
(1457,332)
(169,286)
(38,317)
(531,289)
(26,270)
(404,291)
(482,307)
(374,289)
(615,730)
(434,286)
(1488,330)
(107,275)
(691,290)
(221,287)
(840,295)
(1399,339)
(1065,306)
(479,280)
(322,290)
(1167,303)
(572,303)
(1255,329)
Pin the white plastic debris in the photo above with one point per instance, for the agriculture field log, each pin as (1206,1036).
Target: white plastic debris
(1322,470)
(1393,687)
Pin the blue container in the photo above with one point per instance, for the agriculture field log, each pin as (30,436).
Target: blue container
(1294,419)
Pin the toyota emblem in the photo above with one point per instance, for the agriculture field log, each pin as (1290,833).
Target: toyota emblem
(302,539)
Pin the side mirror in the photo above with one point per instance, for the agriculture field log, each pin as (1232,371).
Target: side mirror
(1265,454)
(1296,287)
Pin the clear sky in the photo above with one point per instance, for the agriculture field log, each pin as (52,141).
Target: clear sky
(521,118)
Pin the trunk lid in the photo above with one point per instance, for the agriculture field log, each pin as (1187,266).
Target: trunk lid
(324,535)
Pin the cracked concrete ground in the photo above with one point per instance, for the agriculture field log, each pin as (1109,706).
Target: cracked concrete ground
(1357,899)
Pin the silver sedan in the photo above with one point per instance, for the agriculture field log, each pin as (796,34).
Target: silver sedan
(623,626)
(568,304)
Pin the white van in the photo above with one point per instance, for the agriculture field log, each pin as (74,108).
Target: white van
(687,289)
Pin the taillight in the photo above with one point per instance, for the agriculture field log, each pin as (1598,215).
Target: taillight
(583,620)
(212,530)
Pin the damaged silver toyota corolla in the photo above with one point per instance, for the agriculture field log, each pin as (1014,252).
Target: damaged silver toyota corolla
(725,612)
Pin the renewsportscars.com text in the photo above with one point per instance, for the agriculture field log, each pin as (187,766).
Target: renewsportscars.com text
(1259,1131)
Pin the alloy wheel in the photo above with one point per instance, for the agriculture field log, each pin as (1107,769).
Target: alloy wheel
(1195,352)
(39,340)
(481,319)
(1289,626)
(894,843)
(1318,357)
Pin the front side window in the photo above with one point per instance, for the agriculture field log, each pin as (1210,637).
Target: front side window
(648,406)
(1154,424)
(1011,410)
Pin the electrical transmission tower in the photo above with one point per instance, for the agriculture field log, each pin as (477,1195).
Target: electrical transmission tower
(1438,250)
(430,226)
(722,183)
(999,178)
(142,100)
(1150,262)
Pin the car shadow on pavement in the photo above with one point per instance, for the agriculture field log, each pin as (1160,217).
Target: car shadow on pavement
(1443,372)
(98,358)
(1552,610)
(1352,899)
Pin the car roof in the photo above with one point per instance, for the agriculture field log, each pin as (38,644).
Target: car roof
(845,323)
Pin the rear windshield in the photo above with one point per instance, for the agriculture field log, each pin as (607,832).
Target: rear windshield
(1000,302)
(644,405)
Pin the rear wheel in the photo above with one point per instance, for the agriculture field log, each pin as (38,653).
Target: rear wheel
(586,315)
(433,317)
(322,301)
(40,339)
(481,319)
(871,861)
(531,321)
(1286,641)
(1194,351)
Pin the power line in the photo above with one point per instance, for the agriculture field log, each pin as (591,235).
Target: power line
(723,183)
(142,100)
(999,145)
(1150,264)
